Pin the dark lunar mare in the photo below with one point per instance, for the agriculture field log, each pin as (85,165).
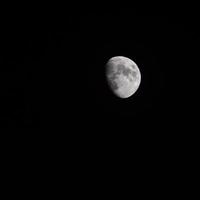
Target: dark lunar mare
(120,69)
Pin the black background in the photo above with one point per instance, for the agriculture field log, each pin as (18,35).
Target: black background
(52,78)
(52,73)
(52,69)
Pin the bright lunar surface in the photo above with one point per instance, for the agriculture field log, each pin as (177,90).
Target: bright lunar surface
(123,76)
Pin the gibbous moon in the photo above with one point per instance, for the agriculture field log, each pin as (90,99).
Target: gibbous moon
(123,76)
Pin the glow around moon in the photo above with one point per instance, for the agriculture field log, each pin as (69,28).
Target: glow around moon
(123,76)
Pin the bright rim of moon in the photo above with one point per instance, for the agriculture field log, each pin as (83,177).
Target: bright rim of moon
(123,76)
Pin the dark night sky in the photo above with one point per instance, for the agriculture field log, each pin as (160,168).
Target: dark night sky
(52,72)
(52,77)
(164,47)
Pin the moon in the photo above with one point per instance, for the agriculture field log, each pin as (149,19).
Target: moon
(123,76)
